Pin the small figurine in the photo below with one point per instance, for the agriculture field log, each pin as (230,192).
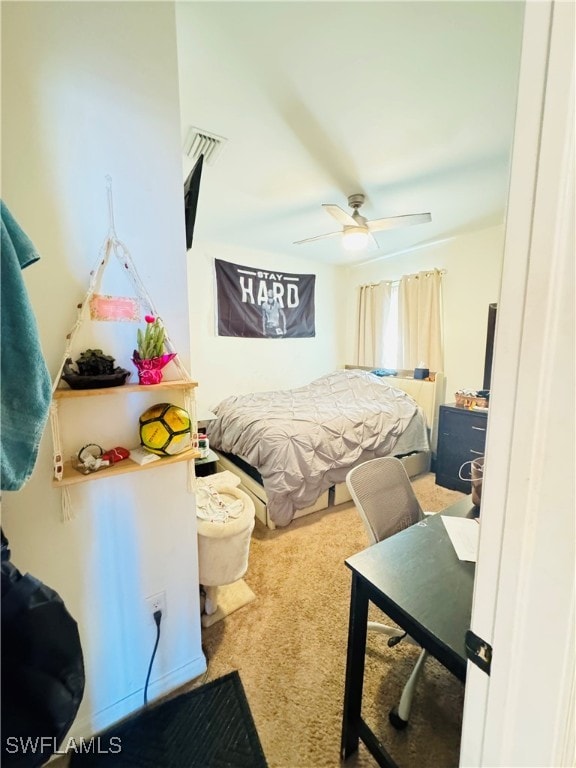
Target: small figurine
(91,457)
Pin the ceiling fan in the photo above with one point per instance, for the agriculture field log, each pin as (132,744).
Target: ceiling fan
(357,230)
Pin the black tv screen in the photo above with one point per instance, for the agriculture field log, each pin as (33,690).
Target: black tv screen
(191,192)
(490,331)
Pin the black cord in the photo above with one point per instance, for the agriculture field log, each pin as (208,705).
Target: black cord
(157,619)
(395,639)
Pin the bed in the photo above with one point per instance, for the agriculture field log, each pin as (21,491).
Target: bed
(292,449)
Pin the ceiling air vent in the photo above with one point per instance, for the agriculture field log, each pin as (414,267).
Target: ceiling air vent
(199,142)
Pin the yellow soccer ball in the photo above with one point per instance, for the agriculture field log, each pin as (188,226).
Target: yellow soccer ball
(166,429)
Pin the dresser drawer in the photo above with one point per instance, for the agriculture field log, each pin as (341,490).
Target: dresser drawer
(461,438)
(469,429)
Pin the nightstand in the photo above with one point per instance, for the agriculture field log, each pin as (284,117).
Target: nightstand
(461,438)
(207,466)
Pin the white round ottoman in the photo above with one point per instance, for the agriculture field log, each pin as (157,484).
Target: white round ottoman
(224,546)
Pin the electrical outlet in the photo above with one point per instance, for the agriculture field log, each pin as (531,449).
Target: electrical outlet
(155,603)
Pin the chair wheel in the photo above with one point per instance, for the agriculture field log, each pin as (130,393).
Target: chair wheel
(396,721)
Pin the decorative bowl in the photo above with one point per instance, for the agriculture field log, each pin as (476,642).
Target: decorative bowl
(116,379)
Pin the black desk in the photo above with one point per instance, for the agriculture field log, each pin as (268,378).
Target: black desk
(416,578)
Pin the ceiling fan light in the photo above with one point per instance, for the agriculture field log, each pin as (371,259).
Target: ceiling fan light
(355,238)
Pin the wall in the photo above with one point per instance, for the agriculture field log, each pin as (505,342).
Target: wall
(473,265)
(230,365)
(90,89)
(284,131)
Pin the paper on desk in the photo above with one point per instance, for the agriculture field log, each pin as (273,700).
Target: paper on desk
(464,533)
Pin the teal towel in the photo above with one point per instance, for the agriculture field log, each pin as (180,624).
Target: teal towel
(25,391)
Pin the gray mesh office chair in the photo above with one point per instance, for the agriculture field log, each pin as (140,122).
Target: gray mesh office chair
(386,502)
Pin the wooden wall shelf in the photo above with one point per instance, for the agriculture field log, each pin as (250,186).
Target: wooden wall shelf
(124,389)
(71,476)
(64,471)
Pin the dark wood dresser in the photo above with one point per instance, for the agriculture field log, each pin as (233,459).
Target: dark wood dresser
(461,438)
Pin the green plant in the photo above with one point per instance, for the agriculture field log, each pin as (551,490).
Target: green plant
(151,341)
(93,362)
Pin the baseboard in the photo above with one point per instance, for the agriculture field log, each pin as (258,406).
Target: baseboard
(90,725)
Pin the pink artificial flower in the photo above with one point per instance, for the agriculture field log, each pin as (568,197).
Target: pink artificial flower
(149,318)
(150,369)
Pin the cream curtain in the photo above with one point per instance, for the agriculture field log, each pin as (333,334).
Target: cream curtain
(373,313)
(420,321)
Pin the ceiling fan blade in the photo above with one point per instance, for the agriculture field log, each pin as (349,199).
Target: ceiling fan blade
(339,214)
(318,237)
(392,222)
(372,242)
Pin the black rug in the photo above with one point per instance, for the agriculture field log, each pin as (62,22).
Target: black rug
(210,727)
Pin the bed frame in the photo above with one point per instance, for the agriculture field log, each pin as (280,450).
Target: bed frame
(428,393)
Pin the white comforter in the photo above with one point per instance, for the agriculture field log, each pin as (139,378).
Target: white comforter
(304,440)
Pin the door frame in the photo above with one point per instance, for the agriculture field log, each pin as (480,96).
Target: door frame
(523,713)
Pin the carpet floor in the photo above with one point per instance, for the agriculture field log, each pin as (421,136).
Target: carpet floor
(290,648)
(208,727)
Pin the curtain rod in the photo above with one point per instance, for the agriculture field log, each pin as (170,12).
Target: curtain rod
(397,282)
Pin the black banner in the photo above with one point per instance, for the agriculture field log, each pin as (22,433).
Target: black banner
(258,303)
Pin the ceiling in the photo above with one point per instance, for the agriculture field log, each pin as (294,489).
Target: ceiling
(410,103)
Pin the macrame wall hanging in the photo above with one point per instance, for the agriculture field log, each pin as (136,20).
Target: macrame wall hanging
(106,308)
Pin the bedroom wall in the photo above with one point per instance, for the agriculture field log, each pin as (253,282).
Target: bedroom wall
(90,89)
(473,265)
(226,365)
